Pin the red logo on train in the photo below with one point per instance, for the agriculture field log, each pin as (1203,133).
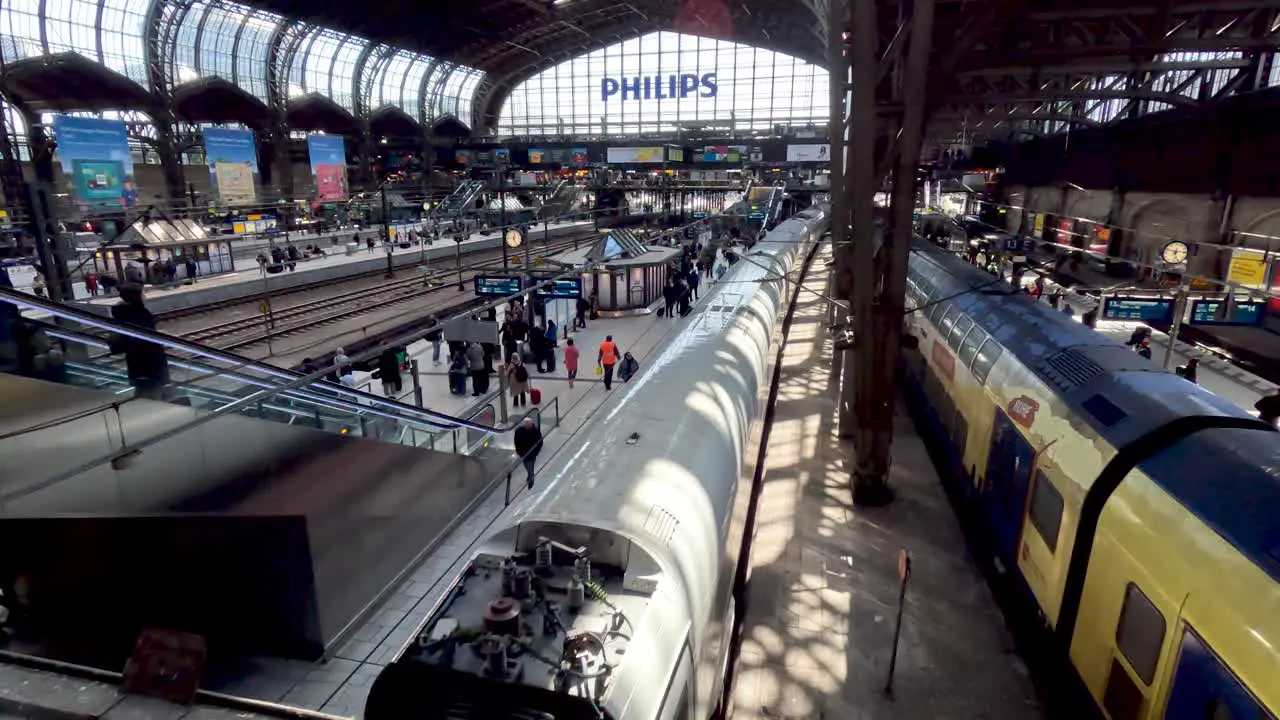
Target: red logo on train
(944,360)
(1023,411)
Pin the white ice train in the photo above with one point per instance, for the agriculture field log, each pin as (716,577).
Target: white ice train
(611,594)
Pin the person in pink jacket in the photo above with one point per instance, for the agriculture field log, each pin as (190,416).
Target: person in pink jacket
(570,360)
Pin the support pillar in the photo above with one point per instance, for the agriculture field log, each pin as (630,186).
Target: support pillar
(175,183)
(880,302)
(53,252)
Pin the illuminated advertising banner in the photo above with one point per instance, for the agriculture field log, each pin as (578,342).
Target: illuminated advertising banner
(502,156)
(659,87)
(95,160)
(558,156)
(328,166)
(675,154)
(464,157)
(1248,269)
(721,153)
(233,165)
(635,155)
(808,153)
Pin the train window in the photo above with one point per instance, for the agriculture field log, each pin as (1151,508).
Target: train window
(970,346)
(1140,633)
(936,312)
(986,358)
(962,326)
(949,321)
(1046,510)
(1122,698)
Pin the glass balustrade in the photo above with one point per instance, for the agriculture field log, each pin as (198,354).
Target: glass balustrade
(48,342)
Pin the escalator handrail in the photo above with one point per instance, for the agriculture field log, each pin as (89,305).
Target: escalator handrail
(420,415)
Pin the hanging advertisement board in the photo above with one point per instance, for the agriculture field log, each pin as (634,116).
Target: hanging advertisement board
(628,155)
(808,153)
(1037,227)
(95,160)
(328,166)
(233,165)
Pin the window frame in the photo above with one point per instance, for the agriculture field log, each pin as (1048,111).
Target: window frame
(1144,674)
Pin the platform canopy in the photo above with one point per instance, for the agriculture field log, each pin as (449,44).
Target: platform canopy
(619,243)
(161,232)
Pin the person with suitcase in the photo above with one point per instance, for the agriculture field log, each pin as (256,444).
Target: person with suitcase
(517,380)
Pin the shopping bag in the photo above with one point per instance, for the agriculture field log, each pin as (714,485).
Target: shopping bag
(599,370)
(535,396)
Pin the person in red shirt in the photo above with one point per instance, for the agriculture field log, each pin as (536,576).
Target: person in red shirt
(571,354)
(607,359)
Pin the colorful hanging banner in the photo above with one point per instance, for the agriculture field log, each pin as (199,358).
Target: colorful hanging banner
(233,165)
(328,166)
(95,159)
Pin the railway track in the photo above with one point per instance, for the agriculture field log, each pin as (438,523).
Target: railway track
(307,316)
(275,296)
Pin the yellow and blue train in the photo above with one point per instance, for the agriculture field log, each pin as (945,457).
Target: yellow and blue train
(1139,513)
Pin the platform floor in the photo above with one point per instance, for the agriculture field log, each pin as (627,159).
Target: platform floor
(24,276)
(823,590)
(340,686)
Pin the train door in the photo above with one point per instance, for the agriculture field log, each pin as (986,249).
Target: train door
(1004,494)
(1205,689)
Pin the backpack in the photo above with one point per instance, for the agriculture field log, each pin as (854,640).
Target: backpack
(522,374)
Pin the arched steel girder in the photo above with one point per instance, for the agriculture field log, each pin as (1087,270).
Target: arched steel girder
(362,79)
(424,110)
(285,42)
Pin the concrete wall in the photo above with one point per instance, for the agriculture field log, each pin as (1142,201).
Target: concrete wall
(1153,219)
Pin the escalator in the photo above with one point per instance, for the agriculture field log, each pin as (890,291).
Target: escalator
(76,349)
(561,201)
(265,511)
(461,199)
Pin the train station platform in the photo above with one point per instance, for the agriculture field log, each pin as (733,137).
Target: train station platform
(823,590)
(336,265)
(340,686)
(1215,373)
(1254,349)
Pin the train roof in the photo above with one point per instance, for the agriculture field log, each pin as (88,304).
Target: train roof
(1120,394)
(1230,480)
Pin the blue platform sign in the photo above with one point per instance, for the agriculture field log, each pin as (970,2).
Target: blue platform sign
(564,288)
(1013,245)
(699,215)
(497,285)
(1213,312)
(1138,308)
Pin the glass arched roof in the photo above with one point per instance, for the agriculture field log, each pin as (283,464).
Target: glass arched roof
(749,88)
(212,38)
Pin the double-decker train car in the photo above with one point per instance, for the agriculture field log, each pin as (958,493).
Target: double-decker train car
(1139,513)
(611,593)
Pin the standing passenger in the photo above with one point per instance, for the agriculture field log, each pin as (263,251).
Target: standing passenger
(517,380)
(479,372)
(145,361)
(435,337)
(389,371)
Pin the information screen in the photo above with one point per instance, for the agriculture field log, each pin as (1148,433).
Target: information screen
(1213,312)
(497,285)
(1138,308)
(563,288)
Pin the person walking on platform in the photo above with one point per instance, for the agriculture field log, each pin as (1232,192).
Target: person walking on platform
(458,374)
(669,298)
(694,278)
(517,380)
(580,322)
(628,368)
(606,359)
(528,444)
(476,366)
(571,355)
(682,300)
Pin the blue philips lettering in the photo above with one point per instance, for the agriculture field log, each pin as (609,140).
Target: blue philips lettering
(608,86)
(672,80)
(688,83)
(633,88)
(708,85)
(648,86)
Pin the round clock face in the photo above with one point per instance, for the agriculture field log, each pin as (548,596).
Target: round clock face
(514,238)
(1175,253)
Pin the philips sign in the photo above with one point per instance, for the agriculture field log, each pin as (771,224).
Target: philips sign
(658,87)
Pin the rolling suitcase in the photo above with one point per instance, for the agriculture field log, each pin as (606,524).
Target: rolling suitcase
(535,396)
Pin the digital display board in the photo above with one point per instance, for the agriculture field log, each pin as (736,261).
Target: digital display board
(564,288)
(1138,308)
(497,285)
(1213,312)
(699,215)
